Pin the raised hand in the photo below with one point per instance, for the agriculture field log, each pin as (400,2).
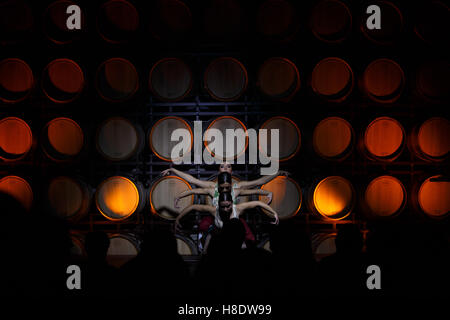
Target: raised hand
(176,203)
(166,172)
(276,220)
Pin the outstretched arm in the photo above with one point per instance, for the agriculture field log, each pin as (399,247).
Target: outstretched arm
(249,192)
(194,207)
(188,178)
(253,204)
(260,181)
(186,193)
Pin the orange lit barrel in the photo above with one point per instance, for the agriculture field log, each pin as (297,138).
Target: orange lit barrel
(333,138)
(332,79)
(122,248)
(117,198)
(62,139)
(16,21)
(224,20)
(226,79)
(55,22)
(330,21)
(222,124)
(432,81)
(383,80)
(289,137)
(278,78)
(276,19)
(392,23)
(16,139)
(160,137)
(19,189)
(163,194)
(68,198)
(334,198)
(171,20)
(185,246)
(117,21)
(117,80)
(170,79)
(433,197)
(431,140)
(63,80)
(118,139)
(432,22)
(384,139)
(385,197)
(323,245)
(234,180)
(287,196)
(16,80)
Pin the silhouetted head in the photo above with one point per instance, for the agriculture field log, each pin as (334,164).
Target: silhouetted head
(287,238)
(225,167)
(159,242)
(225,205)
(234,234)
(224,180)
(97,244)
(349,240)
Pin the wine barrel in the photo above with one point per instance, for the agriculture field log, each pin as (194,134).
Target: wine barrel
(185,246)
(430,141)
(331,21)
(16,21)
(77,251)
(19,189)
(163,193)
(432,81)
(171,21)
(278,78)
(234,179)
(222,124)
(333,138)
(323,245)
(117,21)
(333,198)
(117,198)
(16,139)
(224,20)
(225,79)
(392,24)
(432,22)
(55,23)
(385,197)
(170,79)
(63,81)
(332,79)
(62,139)
(265,244)
(277,19)
(16,80)
(160,137)
(287,197)
(383,81)
(119,139)
(289,137)
(433,197)
(384,139)
(122,248)
(117,80)
(69,198)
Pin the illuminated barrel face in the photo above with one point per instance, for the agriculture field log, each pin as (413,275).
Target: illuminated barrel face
(16,139)
(330,21)
(185,246)
(383,81)
(323,245)
(163,194)
(287,196)
(19,189)
(385,196)
(160,138)
(122,248)
(334,198)
(431,142)
(63,80)
(434,197)
(392,24)
(117,80)
(118,198)
(16,80)
(289,137)
(68,198)
(384,138)
(332,79)
(333,138)
(222,124)
(55,22)
(226,79)
(117,21)
(63,139)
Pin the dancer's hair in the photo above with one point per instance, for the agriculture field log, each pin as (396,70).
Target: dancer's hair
(223,213)
(224,177)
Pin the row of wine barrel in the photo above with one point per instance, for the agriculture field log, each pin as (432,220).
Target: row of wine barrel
(125,246)
(225,79)
(330,21)
(117,138)
(332,198)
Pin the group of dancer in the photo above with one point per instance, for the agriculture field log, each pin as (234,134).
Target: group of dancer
(224,194)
